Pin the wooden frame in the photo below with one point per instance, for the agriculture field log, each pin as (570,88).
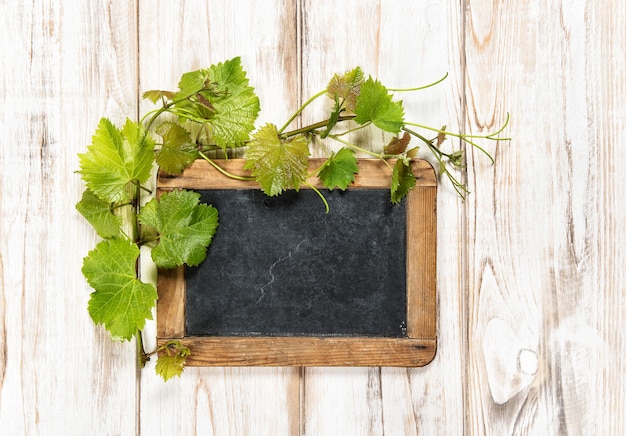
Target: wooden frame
(417,349)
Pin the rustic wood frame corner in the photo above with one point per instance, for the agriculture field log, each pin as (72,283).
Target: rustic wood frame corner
(417,349)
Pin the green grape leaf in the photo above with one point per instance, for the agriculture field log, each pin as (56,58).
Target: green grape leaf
(99,214)
(116,158)
(277,164)
(375,105)
(220,96)
(344,90)
(120,301)
(339,170)
(170,366)
(402,181)
(186,228)
(154,95)
(346,87)
(178,151)
(172,361)
(191,83)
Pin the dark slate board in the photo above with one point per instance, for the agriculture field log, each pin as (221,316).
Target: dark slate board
(281,266)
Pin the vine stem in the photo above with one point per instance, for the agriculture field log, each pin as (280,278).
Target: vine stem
(143,188)
(355,129)
(417,135)
(462,135)
(419,88)
(142,357)
(317,191)
(357,148)
(299,111)
(459,187)
(315,126)
(165,108)
(118,206)
(469,138)
(223,171)
(134,218)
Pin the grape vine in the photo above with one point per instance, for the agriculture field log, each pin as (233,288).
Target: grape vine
(213,111)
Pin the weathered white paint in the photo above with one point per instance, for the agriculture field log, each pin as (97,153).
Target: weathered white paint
(543,223)
(531,284)
(63,67)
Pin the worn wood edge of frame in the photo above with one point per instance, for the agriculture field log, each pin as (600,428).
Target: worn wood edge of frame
(171,303)
(421,263)
(373,173)
(418,349)
(307,351)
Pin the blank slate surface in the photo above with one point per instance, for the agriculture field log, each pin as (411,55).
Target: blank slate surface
(285,284)
(282,266)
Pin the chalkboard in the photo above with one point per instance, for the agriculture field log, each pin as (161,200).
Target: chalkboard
(281,266)
(285,283)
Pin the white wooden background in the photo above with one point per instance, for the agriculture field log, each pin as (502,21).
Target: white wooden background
(531,268)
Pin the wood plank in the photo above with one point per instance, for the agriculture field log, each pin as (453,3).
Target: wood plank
(403,44)
(64,66)
(371,175)
(422,263)
(176,37)
(171,303)
(546,276)
(308,351)
(538,296)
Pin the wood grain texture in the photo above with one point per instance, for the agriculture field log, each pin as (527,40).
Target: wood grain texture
(545,277)
(182,36)
(171,303)
(421,263)
(308,351)
(373,173)
(417,349)
(531,275)
(63,67)
(403,44)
